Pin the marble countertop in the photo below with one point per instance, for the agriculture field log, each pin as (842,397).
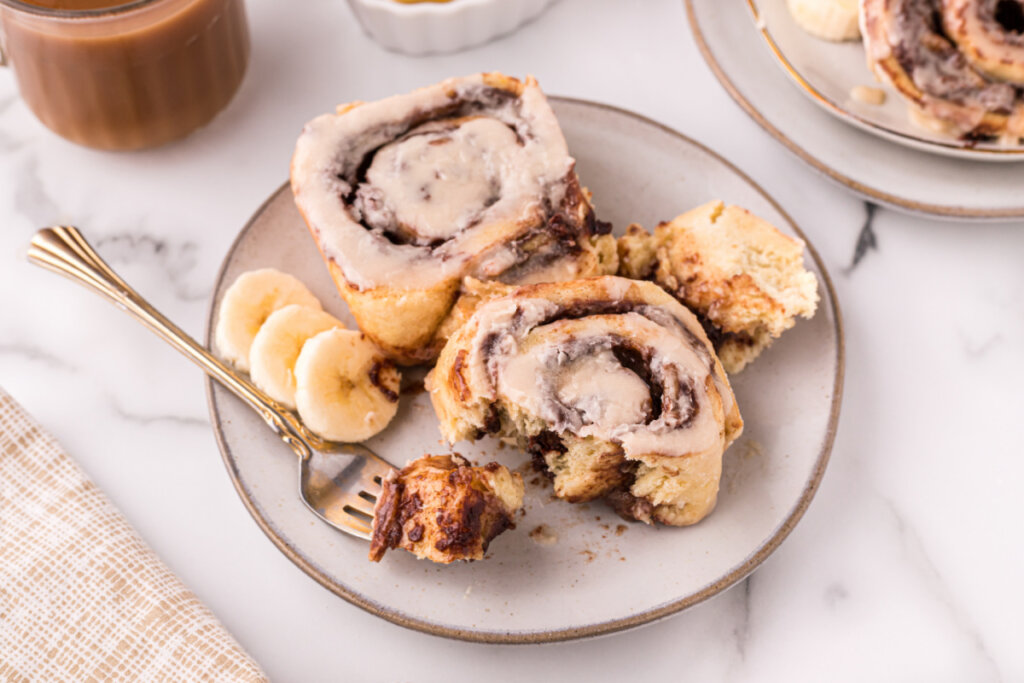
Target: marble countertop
(908,564)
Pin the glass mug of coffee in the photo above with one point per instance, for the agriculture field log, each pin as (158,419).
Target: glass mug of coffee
(123,74)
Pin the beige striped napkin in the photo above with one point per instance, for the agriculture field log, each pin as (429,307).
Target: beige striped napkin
(82,598)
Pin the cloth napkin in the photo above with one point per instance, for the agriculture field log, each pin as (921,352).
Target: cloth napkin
(82,598)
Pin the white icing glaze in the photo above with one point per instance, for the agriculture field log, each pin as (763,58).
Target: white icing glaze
(512,145)
(605,393)
(435,184)
(566,373)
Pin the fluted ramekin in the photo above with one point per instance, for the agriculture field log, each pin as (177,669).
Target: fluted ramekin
(430,27)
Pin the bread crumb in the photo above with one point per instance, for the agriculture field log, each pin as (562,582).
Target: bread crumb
(543,535)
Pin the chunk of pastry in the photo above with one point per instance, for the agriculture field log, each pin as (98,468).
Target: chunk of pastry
(742,277)
(611,385)
(444,509)
(407,195)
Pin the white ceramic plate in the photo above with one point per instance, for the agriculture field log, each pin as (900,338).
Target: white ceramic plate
(826,72)
(599,576)
(874,167)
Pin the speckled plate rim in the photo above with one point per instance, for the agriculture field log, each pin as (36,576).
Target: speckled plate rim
(605,627)
(865,191)
(952,147)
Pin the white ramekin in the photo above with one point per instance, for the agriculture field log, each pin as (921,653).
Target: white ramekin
(430,27)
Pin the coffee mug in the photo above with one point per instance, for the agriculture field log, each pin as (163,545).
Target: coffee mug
(119,75)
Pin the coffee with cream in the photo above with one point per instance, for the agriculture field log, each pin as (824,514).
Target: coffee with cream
(116,75)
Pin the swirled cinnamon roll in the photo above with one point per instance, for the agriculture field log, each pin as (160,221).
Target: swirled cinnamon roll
(407,195)
(743,278)
(611,384)
(990,34)
(907,47)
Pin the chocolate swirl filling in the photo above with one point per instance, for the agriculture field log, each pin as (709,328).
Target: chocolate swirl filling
(655,393)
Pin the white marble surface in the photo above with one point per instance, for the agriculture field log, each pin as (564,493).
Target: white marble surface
(907,565)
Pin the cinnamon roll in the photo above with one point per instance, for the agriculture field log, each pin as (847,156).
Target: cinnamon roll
(907,47)
(444,509)
(407,195)
(990,34)
(611,385)
(743,278)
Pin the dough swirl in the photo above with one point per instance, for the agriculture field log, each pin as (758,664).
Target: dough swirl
(610,383)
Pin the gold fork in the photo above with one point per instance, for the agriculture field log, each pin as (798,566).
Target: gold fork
(339,482)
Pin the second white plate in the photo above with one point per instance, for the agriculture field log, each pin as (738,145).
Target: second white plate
(827,72)
(877,169)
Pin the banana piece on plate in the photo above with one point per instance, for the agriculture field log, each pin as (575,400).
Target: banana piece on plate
(277,345)
(834,20)
(346,389)
(247,304)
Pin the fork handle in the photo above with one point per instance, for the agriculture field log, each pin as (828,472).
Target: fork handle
(63,250)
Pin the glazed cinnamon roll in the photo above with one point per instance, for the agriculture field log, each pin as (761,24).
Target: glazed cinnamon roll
(407,195)
(990,34)
(611,385)
(743,278)
(908,48)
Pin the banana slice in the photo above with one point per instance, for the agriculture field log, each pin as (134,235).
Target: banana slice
(834,20)
(248,302)
(277,345)
(346,390)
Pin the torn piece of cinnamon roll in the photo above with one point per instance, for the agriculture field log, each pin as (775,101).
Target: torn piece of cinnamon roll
(407,195)
(444,509)
(611,384)
(744,279)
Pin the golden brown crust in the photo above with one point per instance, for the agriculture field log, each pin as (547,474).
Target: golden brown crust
(740,275)
(401,322)
(443,509)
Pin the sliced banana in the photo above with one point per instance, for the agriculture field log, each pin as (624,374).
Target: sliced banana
(248,302)
(834,20)
(346,390)
(277,345)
